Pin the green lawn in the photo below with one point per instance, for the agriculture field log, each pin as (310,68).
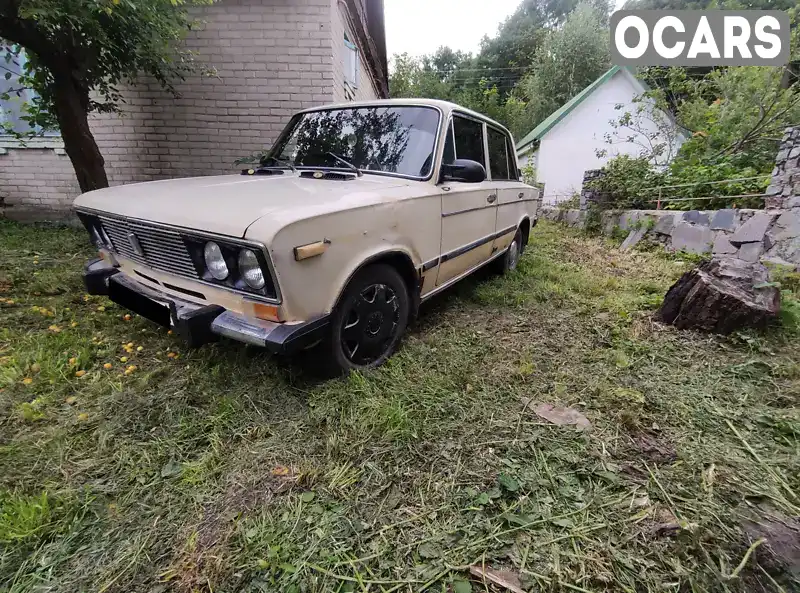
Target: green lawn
(130,463)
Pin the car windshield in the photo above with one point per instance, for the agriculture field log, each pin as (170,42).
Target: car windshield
(397,140)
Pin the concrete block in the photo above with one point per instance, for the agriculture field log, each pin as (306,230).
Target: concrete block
(753,230)
(724,220)
(692,238)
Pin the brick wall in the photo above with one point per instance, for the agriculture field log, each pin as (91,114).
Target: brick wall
(35,182)
(271,58)
(341,25)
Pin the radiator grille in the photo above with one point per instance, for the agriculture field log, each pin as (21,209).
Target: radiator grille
(163,250)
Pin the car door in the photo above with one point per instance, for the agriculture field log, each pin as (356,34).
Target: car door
(513,196)
(468,209)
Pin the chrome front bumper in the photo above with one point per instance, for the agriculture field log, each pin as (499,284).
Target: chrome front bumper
(200,324)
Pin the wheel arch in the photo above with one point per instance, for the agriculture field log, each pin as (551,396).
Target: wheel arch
(400,261)
(525,228)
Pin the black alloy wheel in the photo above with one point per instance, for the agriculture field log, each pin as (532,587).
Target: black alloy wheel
(370,319)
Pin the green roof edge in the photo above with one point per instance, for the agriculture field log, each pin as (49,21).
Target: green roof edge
(565,109)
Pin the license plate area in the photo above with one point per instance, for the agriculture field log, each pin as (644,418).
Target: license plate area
(157,311)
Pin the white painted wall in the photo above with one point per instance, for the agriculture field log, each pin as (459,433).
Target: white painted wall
(568,149)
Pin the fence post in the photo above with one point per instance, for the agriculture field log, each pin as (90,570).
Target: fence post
(658,204)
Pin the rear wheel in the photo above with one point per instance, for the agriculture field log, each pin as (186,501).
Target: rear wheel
(369,320)
(510,259)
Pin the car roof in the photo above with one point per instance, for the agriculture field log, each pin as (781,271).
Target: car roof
(446,107)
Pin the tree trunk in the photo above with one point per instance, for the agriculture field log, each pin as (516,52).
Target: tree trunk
(71,101)
(721,296)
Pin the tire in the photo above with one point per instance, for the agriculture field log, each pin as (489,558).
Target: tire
(369,320)
(508,262)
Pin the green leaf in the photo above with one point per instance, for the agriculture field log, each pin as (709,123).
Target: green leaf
(307,496)
(609,477)
(462,587)
(428,550)
(563,522)
(171,469)
(508,483)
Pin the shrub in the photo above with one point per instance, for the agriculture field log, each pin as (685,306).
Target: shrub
(629,182)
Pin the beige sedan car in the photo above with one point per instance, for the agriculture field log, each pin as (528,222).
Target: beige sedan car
(358,214)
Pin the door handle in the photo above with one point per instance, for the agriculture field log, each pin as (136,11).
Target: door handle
(492,198)
(521,195)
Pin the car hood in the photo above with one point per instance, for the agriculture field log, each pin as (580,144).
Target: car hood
(229,204)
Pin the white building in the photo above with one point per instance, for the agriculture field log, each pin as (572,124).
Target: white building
(574,139)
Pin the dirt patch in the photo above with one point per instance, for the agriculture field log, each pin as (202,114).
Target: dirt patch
(654,447)
(200,561)
(780,552)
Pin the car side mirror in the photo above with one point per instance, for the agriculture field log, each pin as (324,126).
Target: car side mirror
(464,170)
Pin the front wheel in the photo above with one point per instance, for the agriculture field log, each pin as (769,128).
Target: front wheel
(370,320)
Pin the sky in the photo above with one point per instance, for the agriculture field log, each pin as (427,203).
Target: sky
(422,26)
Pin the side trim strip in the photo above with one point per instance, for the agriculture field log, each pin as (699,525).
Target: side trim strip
(475,244)
(452,281)
(495,205)
(430,265)
(456,212)
(519,202)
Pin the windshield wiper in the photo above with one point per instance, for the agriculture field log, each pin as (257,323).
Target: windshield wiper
(279,162)
(347,164)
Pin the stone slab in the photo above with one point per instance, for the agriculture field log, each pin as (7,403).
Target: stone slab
(628,219)
(751,252)
(609,221)
(722,246)
(724,220)
(665,224)
(696,217)
(753,230)
(633,238)
(692,238)
(787,226)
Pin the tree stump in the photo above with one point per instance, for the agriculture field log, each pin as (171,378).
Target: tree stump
(721,296)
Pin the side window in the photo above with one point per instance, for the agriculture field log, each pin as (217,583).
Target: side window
(469,139)
(449,154)
(14,94)
(513,169)
(498,159)
(352,64)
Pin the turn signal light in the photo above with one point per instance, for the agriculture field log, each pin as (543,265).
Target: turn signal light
(311,250)
(266,312)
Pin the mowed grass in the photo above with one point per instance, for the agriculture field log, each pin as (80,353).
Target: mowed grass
(130,463)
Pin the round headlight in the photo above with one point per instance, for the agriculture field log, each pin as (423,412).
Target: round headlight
(251,270)
(215,261)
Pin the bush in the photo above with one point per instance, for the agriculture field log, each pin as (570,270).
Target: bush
(626,183)
(629,182)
